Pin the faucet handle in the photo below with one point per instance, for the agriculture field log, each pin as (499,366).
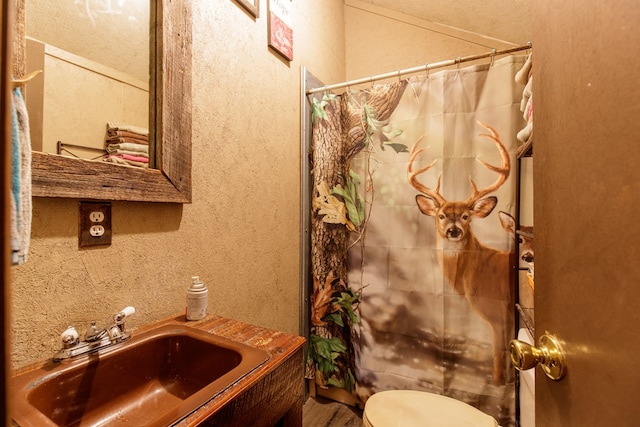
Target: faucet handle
(117,331)
(69,337)
(124,313)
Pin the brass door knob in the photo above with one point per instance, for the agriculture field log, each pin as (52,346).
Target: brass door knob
(548,354)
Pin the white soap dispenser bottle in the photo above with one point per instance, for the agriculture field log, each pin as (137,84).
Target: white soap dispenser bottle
(196,299)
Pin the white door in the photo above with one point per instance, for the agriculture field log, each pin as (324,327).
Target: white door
(587,208)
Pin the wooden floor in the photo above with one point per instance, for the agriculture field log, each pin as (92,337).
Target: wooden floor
(321,412)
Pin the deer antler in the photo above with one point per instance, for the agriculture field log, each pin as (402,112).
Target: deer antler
(413,175)
(503,170)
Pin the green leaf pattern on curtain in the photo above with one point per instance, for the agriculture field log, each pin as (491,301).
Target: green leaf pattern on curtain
(343,127)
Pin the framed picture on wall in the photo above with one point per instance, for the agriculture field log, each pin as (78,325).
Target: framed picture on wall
(280,27)
(252,6)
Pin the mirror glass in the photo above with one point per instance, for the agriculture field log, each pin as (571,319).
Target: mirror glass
(91,100)
(168,118)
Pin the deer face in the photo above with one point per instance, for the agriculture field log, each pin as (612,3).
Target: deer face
(453,218)
(525,236)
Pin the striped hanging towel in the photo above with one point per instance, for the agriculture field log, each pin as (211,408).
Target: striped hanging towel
(21,180)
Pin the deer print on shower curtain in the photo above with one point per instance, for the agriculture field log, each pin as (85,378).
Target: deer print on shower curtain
(524,233)
(483,275)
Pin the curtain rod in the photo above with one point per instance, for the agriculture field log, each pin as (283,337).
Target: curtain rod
(418,69)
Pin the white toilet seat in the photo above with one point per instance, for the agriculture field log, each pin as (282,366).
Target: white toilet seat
(410,408)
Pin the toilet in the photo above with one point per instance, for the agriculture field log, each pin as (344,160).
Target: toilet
(410,408)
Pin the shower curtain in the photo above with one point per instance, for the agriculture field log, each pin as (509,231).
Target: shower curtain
(413,239)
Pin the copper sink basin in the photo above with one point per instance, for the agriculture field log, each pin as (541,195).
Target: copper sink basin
(154,379)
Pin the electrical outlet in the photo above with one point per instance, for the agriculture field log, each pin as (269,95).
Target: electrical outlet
(96,216)
(96,230)
(94,227)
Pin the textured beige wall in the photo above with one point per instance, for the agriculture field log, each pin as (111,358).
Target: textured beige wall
(103,31)
(240,234)
(81,96)
(380,41)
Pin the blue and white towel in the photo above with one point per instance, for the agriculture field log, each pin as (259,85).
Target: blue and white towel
(20,179)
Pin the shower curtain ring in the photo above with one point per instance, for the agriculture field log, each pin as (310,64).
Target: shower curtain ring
(493,56)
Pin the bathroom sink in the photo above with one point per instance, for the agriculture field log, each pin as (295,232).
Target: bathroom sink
(154,379)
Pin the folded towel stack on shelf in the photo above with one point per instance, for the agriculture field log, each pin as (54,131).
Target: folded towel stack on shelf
(127,145)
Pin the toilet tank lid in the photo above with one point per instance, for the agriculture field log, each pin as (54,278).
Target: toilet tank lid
(410,408)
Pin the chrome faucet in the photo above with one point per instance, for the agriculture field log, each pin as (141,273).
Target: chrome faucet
(94,338)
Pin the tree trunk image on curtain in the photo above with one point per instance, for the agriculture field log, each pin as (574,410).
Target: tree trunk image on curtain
(412,236)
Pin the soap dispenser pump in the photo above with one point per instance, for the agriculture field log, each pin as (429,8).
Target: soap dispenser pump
(196,299)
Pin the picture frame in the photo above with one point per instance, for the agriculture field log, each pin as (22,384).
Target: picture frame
(280,27)
(252,6)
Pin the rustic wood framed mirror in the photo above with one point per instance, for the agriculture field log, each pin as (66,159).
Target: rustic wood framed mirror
(170,126)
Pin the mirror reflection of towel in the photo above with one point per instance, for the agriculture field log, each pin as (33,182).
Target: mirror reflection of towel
(125,162)
(125,134)
(128,146)
(20,180)
(115,126)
